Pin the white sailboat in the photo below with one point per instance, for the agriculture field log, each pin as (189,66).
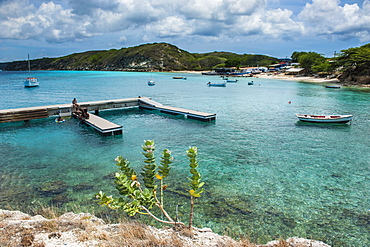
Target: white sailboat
(30,81)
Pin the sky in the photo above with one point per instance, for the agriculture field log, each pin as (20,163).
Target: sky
(269,27)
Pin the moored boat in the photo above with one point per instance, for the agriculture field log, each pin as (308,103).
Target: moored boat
(230,81)
(221,84)
(325,118)
(250,83)
(179,77)
(151,83)
(30,81)
(332,86)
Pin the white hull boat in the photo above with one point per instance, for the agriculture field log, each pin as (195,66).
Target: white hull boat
(325,118)
(30,81)
(216,84)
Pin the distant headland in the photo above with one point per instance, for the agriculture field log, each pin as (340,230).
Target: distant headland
(350,67)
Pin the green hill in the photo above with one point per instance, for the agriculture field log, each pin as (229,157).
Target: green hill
(147,57)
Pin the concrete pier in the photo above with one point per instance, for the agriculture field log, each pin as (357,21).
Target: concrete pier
(103,126)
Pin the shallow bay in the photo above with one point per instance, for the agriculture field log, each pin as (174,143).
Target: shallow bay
(267,174)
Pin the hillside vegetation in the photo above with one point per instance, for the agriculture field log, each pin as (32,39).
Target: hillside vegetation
(356,65)
(148,57)
(351,66)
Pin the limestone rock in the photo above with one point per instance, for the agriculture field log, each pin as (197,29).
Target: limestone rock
(86,230)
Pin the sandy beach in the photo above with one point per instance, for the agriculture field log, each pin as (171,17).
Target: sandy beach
(297,78)
(294,78)
(279,77)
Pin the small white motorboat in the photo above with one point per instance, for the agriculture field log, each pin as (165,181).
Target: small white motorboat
(221,84)
(151,83)
(325,118)
(31,82)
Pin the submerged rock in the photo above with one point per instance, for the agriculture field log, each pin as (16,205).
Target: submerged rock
(59,200)
(82,187)
(53,188)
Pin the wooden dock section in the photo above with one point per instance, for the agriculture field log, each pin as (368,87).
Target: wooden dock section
(103,126)
(23,114)
(147,103)
(63,110)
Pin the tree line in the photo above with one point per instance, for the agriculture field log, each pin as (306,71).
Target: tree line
(355,59)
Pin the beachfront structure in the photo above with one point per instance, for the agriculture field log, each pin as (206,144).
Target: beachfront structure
(277,67)
(253,70)
(295,71)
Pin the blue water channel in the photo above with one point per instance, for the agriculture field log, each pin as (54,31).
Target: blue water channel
(267,175)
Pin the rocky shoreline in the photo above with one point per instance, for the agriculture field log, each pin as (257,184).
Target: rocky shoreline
(86,230)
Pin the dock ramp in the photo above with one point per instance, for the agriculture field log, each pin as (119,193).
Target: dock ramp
(153,105)
(103,126)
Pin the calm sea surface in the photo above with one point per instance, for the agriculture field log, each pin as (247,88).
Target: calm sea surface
(267,175)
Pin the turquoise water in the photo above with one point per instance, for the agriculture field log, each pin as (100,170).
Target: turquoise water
(267,175)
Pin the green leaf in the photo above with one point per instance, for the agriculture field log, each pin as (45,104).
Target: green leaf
(193,171)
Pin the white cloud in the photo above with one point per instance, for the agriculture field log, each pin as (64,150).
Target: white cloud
(49,22)
(271,23)
(170,26)
(122,39)
(75,20)
(329,19)
(219,10)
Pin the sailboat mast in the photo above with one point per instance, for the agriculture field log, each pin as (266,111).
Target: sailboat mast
(29,65)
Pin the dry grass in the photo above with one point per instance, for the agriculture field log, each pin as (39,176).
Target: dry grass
(13,236)
(50,225)
(27,238)
(245,243)
(126,233)
(134,234)
(47,212)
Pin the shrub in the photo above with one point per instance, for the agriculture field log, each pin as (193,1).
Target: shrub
(136,198)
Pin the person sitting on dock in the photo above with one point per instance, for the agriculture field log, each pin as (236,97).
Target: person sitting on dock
(85,114)
(75,106)
(77,111)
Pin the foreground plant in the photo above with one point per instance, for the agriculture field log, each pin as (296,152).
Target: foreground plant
(142,199)
(195,183)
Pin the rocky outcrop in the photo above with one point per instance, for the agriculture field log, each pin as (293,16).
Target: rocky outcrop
(356,76)
(86,230)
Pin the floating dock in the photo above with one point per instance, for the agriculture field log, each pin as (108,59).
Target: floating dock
(101,125)
(147,103)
